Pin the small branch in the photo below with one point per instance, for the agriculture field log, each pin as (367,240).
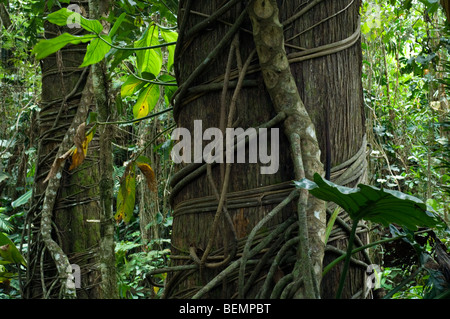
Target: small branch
(139,48)
(136,120)
(148,81)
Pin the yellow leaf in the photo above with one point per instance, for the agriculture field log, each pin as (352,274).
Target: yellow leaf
(77,159)
(149,174)
(126,195)
(79,156)
(86,141)
(146,101)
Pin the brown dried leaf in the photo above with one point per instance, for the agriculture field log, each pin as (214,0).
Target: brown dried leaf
(81,142)
(57,164)
(149,174)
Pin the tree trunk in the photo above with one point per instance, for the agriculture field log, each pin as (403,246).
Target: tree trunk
(330,86)
(100,85)
(64,223)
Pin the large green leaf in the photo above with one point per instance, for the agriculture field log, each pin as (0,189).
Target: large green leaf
(149,60)
(116,25)
(22,199)
(46,47)
(64,17)
(96,51)
(9,252)
(377,205)
(131,86)
(170,36)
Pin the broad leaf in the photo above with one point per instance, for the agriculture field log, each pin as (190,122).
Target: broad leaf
(146,101)
(377,205)
(3,176)
(46,47)
(149,60)
(116,25)
(170,36)
(64,17)
(6,276)
(79,154)
(9,252)
(22,199)
(96,51)
(126,195)
(144,166)
(131,86)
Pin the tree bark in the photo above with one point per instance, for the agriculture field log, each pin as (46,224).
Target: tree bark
(108,285)
(331,90)
(72,218)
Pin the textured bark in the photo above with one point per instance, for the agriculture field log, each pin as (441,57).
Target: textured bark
(149,202)
(108,284)
(253,109)
(331,90)
(76,210)
(279,82)
(329,86)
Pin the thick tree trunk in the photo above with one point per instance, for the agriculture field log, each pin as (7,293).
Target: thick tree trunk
(330,87)
(331,90)
(67,97)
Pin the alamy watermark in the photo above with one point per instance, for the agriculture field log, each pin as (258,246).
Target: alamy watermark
(74,277)
(74,20)
(373,280)
(214,151)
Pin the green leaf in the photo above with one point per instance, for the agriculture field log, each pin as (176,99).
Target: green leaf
(149,60)
(4,223)
(6,276)
(96,51)
(22,199)
(46,47)
(118,56)
(146,101)
(126,195)
(9,252)
(170,36)
(131,86)
(143,159)
(3,176)
(365,28)
(64,17)
(377,205)
(116,25)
